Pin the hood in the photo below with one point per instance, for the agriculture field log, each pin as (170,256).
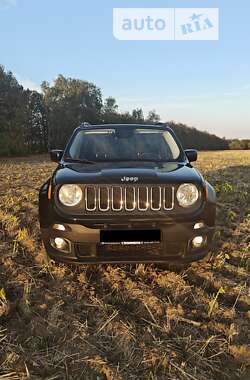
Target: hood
(128,172)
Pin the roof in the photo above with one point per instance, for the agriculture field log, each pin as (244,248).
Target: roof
(157,126)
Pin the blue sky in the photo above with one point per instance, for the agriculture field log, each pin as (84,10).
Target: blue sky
(205,84)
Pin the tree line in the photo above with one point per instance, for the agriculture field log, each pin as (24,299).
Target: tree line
(237,144)
(34,122)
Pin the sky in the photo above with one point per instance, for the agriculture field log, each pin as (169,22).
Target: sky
(204,84)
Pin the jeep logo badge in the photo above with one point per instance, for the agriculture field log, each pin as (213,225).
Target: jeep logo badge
(129,179)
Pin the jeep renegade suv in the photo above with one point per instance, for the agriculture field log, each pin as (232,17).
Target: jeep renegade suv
(124,194)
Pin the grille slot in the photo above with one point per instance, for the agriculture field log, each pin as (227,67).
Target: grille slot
(115,198)
(103,198)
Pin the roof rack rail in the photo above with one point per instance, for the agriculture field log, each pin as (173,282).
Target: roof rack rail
(161,123)
(85,124)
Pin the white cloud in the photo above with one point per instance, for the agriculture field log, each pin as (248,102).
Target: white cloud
(27,83)
(6,4)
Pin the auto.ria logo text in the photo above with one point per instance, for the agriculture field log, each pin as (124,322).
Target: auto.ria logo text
(166,23)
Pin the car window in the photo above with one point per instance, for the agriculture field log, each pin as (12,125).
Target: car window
(136,144)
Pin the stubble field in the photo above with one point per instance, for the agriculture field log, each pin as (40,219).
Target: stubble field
(124,322)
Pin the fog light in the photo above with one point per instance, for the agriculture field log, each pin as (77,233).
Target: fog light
(60,244)
(59,227)
(198,225)
(198,241)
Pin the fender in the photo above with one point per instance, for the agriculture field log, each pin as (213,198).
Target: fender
(210,208)
(45,207)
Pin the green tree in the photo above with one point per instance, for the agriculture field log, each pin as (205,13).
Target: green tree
(137,115)
(237,144)
(12,115)
(153,117)
(37,125)
(110,111)
(69,102)
(110,105)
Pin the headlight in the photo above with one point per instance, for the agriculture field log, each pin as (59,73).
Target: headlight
(70,195)
(187,194)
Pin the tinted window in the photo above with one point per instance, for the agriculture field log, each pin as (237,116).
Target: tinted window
(124,144)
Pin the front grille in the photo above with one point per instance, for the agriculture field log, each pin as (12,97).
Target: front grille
(99,198)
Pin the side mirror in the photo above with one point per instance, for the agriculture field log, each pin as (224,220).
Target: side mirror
(191,154)
(56,155)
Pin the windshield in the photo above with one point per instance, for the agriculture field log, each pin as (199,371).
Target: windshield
(123,144)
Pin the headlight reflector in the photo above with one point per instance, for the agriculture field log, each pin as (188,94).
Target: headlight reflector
(70,195)
(187,194)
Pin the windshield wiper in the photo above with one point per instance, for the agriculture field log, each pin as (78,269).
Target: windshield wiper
(79,160)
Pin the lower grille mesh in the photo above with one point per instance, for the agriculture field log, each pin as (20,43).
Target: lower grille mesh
(136,251)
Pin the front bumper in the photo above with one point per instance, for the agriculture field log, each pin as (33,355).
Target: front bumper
(86,246)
